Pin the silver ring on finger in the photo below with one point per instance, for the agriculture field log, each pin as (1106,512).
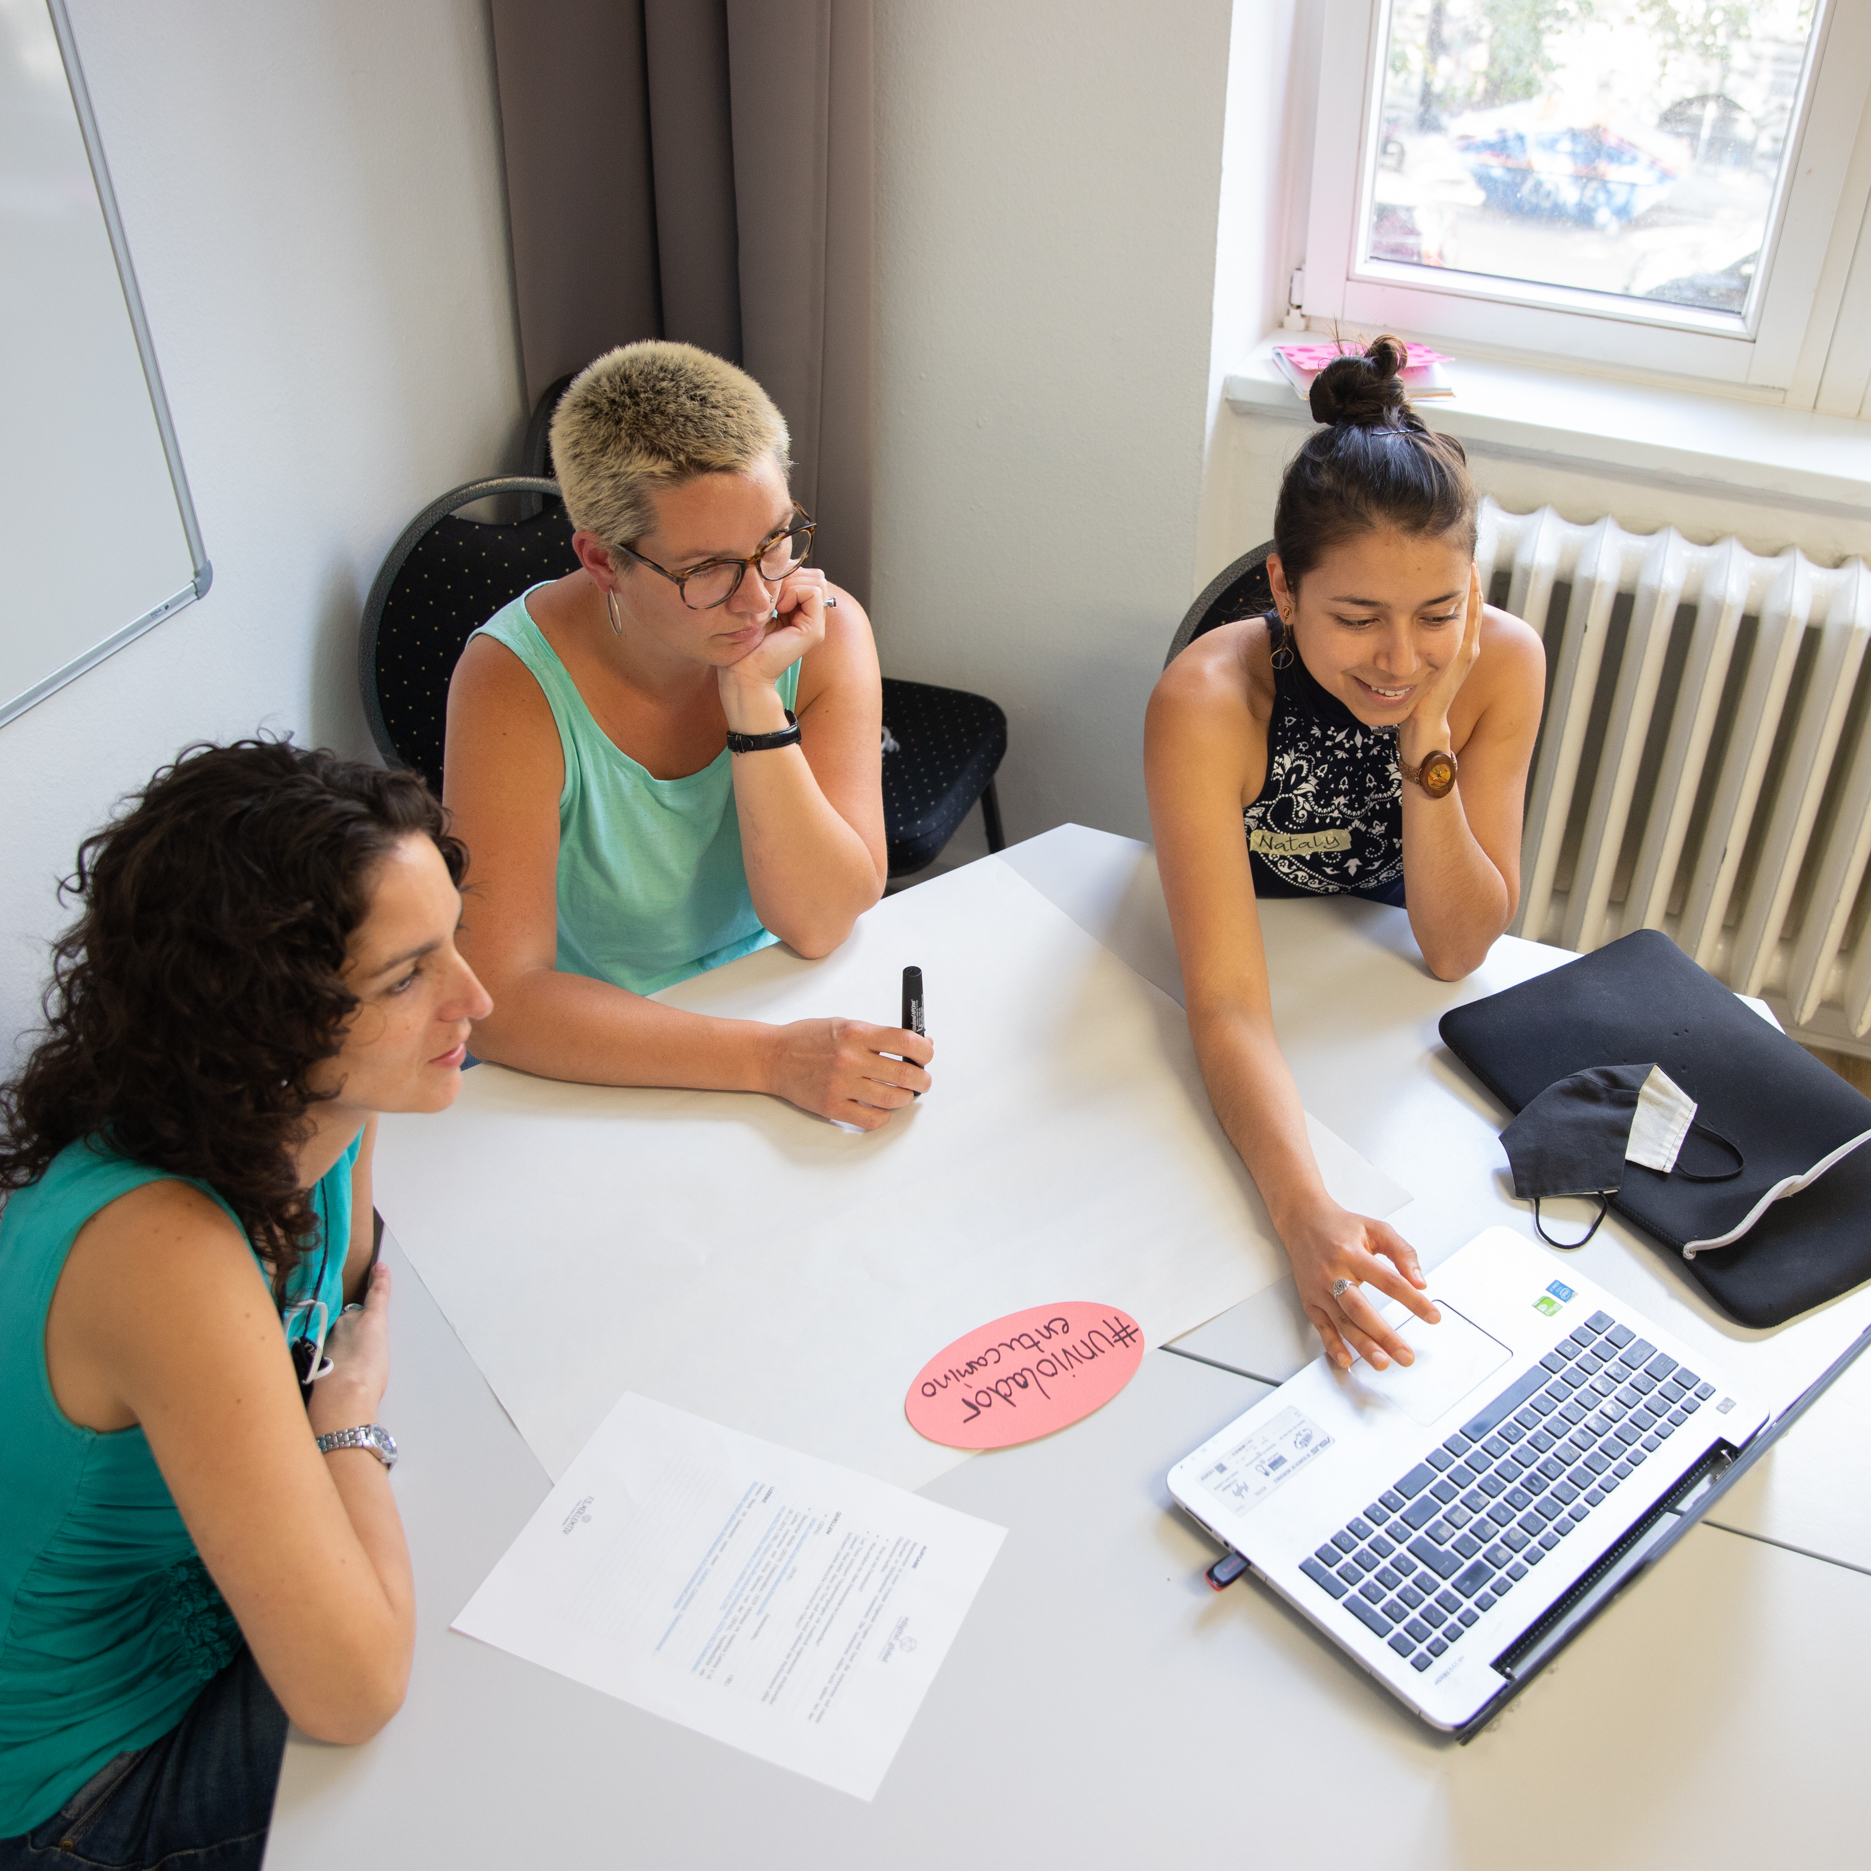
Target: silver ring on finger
(1341,1287)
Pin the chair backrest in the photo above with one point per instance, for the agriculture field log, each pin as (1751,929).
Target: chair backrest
(442,580)
(1241,590)
(536,450)
(536,454)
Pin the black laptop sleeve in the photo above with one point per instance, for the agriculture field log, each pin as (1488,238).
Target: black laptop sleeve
(1641,1000)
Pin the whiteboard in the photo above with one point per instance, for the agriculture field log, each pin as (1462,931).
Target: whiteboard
(97,534)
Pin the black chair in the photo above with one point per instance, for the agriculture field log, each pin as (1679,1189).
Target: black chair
(536,450)
(443,579)
(941,750)
(1241,590)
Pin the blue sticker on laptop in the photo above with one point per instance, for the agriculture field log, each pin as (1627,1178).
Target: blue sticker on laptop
(1553,1298)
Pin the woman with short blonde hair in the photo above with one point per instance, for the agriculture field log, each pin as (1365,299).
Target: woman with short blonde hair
(649,417)
(671,757)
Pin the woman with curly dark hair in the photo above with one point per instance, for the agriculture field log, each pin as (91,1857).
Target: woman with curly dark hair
(199,1539)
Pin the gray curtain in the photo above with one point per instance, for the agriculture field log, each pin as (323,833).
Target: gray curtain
(703,170)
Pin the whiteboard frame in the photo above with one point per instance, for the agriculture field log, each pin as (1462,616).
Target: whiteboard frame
(152,377)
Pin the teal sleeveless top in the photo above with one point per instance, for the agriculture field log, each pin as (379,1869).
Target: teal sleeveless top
(652,888)
(109,1623)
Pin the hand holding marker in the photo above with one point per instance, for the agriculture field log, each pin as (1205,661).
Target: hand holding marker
(912,1020)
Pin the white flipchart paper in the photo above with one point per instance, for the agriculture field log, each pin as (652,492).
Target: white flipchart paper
(781,1604)
(729,1254)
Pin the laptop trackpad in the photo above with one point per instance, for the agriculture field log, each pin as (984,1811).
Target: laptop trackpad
(1451,1359)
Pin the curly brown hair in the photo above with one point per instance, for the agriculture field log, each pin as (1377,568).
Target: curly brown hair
(203,983)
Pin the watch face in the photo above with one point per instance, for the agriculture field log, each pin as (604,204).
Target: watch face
(371,1436)
(1438,775)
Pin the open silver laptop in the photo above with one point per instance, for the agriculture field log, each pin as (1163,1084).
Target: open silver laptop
(1452,1523)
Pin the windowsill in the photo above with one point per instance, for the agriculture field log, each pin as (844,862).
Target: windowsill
(1715,445)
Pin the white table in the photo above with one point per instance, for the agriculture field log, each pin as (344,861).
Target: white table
(1441,1139)
(1101,1706)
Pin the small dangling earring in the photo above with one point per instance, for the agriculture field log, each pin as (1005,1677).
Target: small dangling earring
(1283,651)
(610,604)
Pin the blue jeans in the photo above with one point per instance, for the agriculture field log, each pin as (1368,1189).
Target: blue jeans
(200,1798)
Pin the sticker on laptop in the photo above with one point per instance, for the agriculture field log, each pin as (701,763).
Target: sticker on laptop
(1273,1454)
(1553,1298)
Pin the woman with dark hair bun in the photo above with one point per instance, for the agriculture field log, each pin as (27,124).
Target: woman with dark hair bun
(199,1540)
(1368,737)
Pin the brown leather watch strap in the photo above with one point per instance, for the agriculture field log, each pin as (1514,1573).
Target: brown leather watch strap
(1436,775)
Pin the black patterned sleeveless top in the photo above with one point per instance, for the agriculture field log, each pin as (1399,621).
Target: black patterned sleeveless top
(1328,820)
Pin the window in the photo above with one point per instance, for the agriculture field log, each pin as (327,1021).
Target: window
(1642,183)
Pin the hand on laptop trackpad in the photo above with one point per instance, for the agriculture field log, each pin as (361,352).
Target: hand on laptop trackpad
(1451,1359)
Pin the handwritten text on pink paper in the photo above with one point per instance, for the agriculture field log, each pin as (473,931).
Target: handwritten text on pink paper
(1025,1375)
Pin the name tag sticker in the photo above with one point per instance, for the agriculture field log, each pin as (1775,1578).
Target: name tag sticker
(1273,1454)
(1297,844)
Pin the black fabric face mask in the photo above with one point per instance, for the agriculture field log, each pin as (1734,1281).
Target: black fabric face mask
(1577,1135)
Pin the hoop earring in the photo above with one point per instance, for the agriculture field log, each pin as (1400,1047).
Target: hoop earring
(610,604)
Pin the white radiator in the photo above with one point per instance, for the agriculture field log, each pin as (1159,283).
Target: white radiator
(1704,766)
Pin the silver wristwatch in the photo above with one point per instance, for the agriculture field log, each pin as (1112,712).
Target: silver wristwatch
(371,1436)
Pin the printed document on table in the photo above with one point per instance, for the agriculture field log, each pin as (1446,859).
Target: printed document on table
(789,1607)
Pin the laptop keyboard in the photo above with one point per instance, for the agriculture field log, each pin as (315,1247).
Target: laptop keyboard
(1445,1542)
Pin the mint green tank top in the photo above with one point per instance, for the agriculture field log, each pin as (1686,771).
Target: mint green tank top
(652,887)
(109,1622)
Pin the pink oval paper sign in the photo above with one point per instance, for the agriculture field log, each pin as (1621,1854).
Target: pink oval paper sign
(1025,1375)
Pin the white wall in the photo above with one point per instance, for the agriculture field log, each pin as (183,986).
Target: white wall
(1048,191)
(1273,83)
(312,195)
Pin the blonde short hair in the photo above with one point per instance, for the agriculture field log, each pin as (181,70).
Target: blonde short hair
(651,416)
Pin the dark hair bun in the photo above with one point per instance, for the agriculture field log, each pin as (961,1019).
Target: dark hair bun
(1366,391)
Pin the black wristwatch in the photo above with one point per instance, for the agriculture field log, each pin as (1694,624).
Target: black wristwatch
(788,736)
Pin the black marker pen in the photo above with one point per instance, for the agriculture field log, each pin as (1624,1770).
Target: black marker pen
(912,1020)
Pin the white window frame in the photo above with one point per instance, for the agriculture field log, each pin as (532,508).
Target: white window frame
(1760,350)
